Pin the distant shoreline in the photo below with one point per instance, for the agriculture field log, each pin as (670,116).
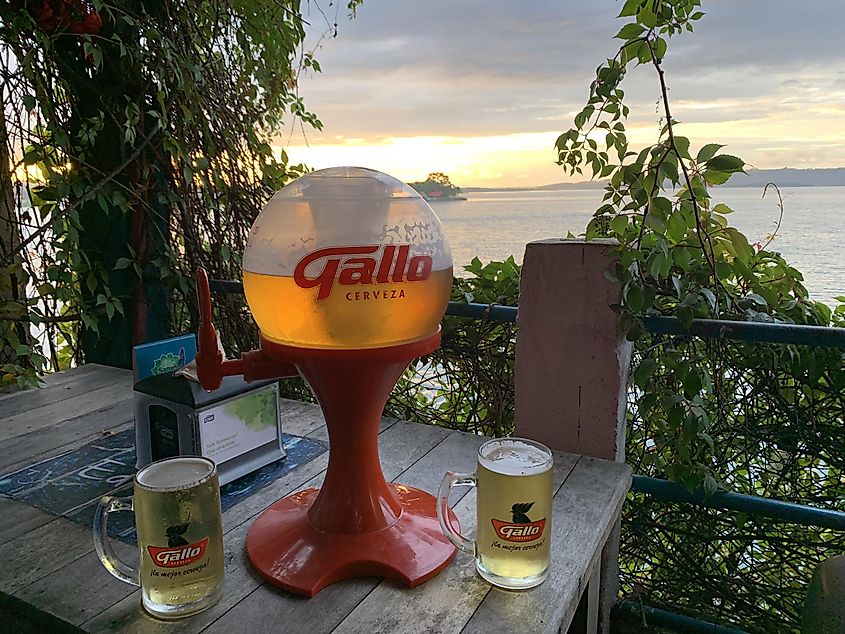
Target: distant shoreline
(785,177)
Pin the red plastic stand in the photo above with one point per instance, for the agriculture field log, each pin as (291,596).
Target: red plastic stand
(356,524)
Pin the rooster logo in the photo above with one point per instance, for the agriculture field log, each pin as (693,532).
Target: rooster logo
(174,535)
(520,512)
(521,528)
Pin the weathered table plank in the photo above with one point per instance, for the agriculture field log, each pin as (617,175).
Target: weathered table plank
(65,435)
(72,383)
(583,511)
(445,603)
(17,519)
(41,552)
(58,593)
(61,558)
(399,448)
(268,605)
(78,405)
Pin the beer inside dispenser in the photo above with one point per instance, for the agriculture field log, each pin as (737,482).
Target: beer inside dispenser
(347,274)
(347,258)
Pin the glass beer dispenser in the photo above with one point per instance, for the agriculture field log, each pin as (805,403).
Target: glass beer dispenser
(347,274)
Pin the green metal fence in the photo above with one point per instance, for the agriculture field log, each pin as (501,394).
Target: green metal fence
(774,333)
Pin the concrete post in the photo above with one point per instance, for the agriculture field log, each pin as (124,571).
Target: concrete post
(572,364)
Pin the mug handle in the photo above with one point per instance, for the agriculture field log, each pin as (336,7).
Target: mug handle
(452,479)
(113,563)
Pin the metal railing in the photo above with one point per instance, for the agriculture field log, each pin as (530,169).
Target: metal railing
(712,328)
(762,332)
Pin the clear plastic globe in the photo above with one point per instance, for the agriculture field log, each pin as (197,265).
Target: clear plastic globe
(347,258)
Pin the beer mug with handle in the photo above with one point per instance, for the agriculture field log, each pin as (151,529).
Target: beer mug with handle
(180,536)
(514,511)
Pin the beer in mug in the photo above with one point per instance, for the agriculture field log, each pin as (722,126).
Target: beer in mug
(180,537)
(514,512)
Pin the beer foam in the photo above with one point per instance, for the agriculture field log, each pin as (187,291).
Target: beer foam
(175,473)
(514,456)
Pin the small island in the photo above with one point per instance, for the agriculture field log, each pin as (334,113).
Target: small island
(437,187)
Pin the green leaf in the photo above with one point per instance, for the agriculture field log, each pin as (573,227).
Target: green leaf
(646,16)
(710,486)
(634,299)
(619,224)
(658,267)
(740,244)
(692,383)
(630,8)
(97,56)
(685,314)
(670,170)
(682,145)
(122,263)
(661,205)
(660,48)
(676,284)
(710,296)
(690,300)
(707,152)
(757,299)
(725,163)
(643,53)
(630,31)
(644,371)
(653,221)
(716,178)
(676,227)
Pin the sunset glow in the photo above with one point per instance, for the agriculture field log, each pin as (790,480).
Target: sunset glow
(482,96)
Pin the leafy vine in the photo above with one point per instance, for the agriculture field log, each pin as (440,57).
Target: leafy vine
(135,147)
(712,415)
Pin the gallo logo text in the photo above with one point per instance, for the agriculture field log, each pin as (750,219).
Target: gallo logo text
(519,532)
(355,267)
(180,556)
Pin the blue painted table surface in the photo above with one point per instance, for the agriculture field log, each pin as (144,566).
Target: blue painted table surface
(70,484)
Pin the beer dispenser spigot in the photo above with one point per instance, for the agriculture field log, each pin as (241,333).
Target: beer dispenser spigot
(347,274)
(211,367)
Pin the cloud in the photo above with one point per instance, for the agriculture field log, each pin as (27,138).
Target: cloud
(493,68)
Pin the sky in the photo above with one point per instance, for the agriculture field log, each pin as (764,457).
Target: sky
(481,89)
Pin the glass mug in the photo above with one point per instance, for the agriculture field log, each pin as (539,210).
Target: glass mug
(180,536)
(514,511)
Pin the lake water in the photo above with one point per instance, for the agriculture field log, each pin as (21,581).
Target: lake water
(494,225)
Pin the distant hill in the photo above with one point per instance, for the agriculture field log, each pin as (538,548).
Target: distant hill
(790,177)
(784,177)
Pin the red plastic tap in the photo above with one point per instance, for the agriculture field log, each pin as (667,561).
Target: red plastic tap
(211,368)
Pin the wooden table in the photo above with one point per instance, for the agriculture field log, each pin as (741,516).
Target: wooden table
(51,579)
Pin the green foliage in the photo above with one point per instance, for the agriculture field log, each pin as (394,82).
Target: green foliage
(144,137)
(467,384)
(436,185)
(765,420)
